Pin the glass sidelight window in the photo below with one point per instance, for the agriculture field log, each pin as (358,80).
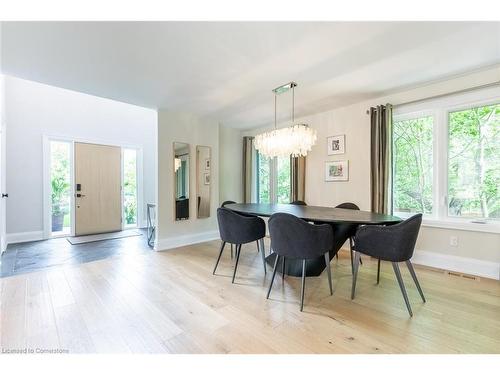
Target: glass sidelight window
(130,187)
(60,184)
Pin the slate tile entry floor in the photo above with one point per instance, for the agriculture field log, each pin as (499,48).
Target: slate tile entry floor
(34,256)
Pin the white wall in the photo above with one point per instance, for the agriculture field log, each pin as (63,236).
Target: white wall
(187,128)
(34,110)
(476,253)
(231,165)
(3,144)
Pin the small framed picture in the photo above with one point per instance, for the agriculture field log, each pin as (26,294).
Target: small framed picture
(337,170)
(206,178)
(336,144)
(207,163)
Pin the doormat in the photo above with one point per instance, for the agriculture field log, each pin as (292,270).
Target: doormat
(102,237)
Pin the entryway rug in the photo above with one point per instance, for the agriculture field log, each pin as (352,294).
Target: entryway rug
(102,237)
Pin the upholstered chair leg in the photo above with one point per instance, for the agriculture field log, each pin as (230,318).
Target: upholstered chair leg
(303,287)
(414,276)
(220,254)
(260,244)
(378,271)
(283,265)
(238,251)
(355,274)
(329,271)
(395,266)
(274,274)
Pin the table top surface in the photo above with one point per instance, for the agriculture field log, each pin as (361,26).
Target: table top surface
(315,213)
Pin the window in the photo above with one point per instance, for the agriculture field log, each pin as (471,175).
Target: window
(413,165)
(474,162)
(446,156)
(273,179)
(60,187)
(130,187)
(263,179)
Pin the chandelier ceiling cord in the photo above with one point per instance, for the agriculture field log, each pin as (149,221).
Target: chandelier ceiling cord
(295,140)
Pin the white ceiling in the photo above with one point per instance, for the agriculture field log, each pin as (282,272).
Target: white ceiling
(226,70)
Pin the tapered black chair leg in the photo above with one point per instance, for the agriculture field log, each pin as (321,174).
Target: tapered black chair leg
(258,249)
(414,276)
(283,265)
(395,266)
(231,251)
(329,271)
(303,287)
(360,261)
(355,274)
(274,274)
(352,261)
(378,272)
(220,254)
(238,251)
(260,244)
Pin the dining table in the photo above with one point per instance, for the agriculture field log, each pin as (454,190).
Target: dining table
(344,223)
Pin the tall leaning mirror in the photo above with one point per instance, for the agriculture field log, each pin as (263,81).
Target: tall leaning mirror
(181,180)
(203,181)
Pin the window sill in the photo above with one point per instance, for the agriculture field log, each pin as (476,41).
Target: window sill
(488,227)
(464,224)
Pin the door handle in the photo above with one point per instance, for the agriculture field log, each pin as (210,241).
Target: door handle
(5,195)
(78,195)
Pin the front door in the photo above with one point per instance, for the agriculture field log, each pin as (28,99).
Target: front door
(98,189)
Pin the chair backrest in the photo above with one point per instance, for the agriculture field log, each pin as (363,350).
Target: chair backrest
(348,206)
(226,203)
(295,238)
(239,229)
(394,243)
(299,203)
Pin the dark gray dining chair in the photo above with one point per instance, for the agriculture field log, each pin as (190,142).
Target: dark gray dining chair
(295,238)
(393,243)
(349,228)
(299,203)
(224,204)
(238,230)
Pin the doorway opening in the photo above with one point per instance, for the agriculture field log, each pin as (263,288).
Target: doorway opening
(90,187)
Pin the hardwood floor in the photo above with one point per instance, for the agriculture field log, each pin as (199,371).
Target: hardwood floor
(169,302)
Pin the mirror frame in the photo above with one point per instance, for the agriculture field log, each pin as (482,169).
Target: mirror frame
(199,181)
(175,182)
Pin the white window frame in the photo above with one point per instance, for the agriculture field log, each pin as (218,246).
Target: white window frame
(440,110)
(137,195)
(273,181)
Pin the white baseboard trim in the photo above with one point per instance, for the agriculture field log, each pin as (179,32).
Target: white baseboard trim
(185,240)
(24,236)
(469,266)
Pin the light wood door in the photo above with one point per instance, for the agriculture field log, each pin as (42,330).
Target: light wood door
(98,189)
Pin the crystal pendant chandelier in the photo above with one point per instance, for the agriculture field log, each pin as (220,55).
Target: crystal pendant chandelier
(295,140)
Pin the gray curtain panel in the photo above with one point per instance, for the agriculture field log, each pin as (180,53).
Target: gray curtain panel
(381,158)
(298,178)
(248,160)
